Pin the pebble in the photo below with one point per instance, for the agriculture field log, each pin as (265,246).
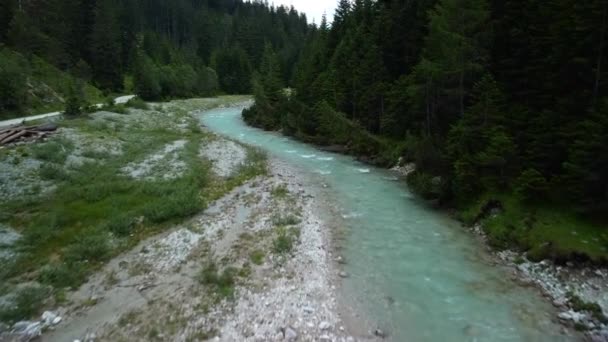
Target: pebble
(290,334)
(324,325)
(343,274)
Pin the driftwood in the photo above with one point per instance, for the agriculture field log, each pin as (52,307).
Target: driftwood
(24,133)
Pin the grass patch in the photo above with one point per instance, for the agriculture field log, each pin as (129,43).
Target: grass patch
(223,282)
(287,220)
(285,239)
(279,191)
(544,231)
(55,151)
(257,257)
(52,172)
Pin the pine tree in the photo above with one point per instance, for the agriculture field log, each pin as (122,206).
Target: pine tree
(453,55)
(75,102)
(105,49)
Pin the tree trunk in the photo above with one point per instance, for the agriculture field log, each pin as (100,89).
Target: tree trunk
(461,91)
(598,70)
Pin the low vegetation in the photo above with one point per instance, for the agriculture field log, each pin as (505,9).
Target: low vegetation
(97,210)
(285,239)
(540,230)
(222,282)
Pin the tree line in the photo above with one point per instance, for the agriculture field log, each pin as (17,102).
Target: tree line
(485,96)
(158,49)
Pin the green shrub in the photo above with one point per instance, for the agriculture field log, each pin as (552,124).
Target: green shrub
(121,224)
(531,185)
(223,281)
(55,151)
(279,191)
(138,103)
(53,172)
(288,220)
(284,240)
(178,205)
(28,302)
(41,230)
(424,184)
(92,246)
(75,103)
(62,275)
(257,257)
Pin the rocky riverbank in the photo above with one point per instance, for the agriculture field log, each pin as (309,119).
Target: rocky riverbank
(579,293)
(256,265)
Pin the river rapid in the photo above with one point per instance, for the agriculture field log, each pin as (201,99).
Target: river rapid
(412,271)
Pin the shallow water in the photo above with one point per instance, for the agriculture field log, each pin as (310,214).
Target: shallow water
(415,272)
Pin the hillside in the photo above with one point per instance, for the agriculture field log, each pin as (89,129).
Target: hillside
(157,49)
(33,86)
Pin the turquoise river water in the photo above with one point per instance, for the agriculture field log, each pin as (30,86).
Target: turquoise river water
(414,272)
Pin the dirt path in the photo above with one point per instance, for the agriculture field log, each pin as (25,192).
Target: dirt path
(17,121)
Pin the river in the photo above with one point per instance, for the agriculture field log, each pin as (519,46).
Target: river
(417,273)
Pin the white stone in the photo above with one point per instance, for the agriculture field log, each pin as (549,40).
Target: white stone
(324,325)
(290,334)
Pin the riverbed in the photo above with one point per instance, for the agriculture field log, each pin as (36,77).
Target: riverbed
(414,273)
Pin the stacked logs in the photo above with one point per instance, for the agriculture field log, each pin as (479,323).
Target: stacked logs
(14,134)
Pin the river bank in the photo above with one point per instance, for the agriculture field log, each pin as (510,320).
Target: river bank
(278,294)
(580,294)
(256,264)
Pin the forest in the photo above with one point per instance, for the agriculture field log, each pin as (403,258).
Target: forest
(501,105)
(157,49)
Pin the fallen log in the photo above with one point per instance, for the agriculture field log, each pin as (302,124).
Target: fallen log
(15,133)
(13,137)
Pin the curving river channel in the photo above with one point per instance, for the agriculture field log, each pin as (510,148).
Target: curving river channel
(413,271)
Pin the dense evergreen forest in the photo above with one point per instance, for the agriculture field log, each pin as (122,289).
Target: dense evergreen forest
(500,105)
(157,49)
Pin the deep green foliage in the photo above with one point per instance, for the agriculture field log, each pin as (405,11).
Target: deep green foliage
(234,68)
(27,303)
(485,96)
(75,102)
(165,49)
